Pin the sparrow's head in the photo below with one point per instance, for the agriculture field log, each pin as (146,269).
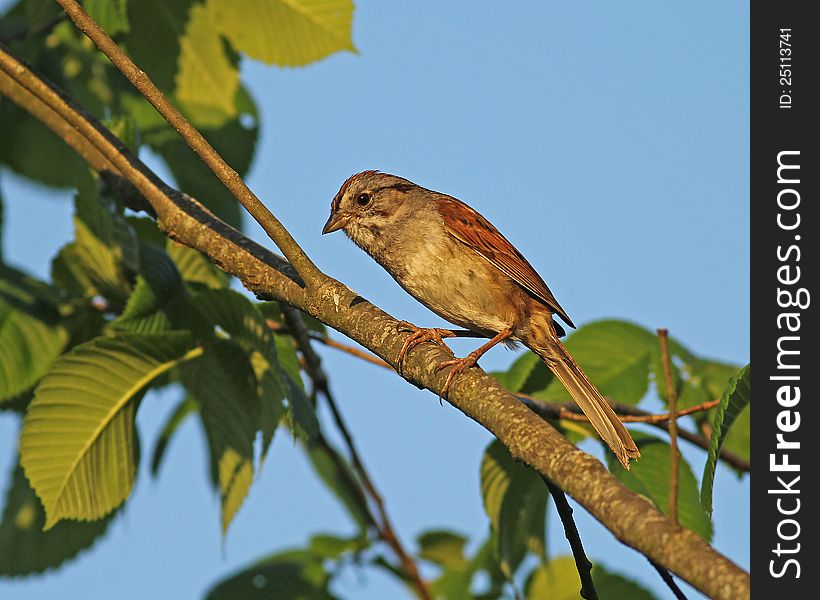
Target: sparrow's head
(367,204)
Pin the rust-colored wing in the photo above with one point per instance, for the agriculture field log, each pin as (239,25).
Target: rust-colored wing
(473,230)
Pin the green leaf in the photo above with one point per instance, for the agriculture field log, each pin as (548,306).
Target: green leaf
(288,33)
(613,585)
(208,77)
(337,475)
(195,268)
(526,375)
(30,338)
(28,347)
(111,15)
(186,407)
(105,254)
(24,547)
(703,380)
(455,582)
(224,384)
(444,548)
(334,547)
(30,149)
(39,12)
(556,580)
(515,500)
(160,301)
(649,477)
(154,37)
(240,319)
(559,580)
(615,355)
(295,575)
(125,127)
(738,440)
(78,441)
(734,399)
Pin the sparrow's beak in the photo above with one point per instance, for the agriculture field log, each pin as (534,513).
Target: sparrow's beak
(336,221)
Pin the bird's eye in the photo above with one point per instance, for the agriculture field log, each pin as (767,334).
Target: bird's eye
(363,199)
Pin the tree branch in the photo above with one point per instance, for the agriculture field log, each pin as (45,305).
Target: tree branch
(530,439)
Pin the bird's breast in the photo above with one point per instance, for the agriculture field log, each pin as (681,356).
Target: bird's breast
(455,283)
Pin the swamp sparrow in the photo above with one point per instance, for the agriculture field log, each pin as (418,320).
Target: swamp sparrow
(452,260)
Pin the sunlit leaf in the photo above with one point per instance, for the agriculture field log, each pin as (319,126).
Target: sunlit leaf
(444,548)
(288,33)
(208,78)
(649,477)
(559,580)
(735,398)
(333,547)
(194,267)
(30,337)
(78,441)
(104,255)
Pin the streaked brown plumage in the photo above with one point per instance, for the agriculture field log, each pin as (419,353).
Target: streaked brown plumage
(455,262)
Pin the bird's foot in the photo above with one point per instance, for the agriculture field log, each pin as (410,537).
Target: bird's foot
(418,336)
(459,366)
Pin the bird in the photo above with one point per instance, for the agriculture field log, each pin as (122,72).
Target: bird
(456,263)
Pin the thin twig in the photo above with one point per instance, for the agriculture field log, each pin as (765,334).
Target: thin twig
(570,415)
(668,580)
(297,329)
(371,358)
(574,538)
(197,142)
(674,458)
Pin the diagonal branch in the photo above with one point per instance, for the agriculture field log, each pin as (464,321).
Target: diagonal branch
(528,437)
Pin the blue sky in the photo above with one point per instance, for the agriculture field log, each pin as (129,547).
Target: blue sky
(608,141)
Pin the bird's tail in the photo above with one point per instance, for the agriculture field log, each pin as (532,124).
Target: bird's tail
(587,396)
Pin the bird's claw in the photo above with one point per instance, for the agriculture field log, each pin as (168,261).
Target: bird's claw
(459,366)
(418,335)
